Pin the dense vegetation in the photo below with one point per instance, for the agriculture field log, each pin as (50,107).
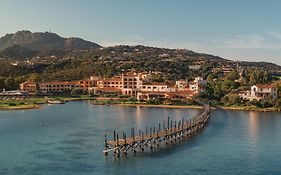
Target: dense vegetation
(48,57)
(223,90)
(75,64)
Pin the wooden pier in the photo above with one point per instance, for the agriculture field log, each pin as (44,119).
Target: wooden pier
(170,133)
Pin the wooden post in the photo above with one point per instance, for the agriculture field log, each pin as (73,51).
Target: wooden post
(142,140)
(125,138)
(146,130)
(114,135)
(133,131)
(117,152)
(105,145)
(171,126)
(168,122)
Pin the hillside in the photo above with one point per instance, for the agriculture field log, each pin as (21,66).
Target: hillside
(49,57)
(43,41)
(75,64)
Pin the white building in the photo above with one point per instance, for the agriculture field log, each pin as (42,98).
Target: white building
(181,85)
(260,91)
(133,82)
(198,85)
(154,87)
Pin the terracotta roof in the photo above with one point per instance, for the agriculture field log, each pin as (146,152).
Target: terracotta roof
(265,86)
(152,92)
(112,79)
(170,94)
(185,93)
(60,83)
(28,83)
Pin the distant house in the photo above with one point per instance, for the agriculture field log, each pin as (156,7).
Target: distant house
(28,86)
(181,85)
(198,85)
(13,94)
(260,91)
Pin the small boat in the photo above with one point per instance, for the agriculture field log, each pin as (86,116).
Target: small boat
(56,101)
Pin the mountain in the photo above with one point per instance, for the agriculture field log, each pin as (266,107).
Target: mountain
(43,41)
(17,51)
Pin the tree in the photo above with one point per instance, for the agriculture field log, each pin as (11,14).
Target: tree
(10,83)
(35,77)
(233,75)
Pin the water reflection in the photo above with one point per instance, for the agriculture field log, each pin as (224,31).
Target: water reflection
(253,126)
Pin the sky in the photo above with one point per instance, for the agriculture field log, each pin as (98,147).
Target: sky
(234,29)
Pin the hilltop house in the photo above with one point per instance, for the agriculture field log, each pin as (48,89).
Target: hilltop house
(260,91)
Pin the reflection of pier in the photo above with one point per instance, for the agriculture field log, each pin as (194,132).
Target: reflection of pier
(152,138)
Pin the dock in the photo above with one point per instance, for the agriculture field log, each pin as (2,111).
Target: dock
(169,132)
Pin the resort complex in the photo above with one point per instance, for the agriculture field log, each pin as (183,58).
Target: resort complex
(139,85)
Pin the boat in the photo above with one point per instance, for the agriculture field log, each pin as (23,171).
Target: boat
(56,101)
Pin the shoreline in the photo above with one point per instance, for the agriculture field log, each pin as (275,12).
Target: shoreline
(249,109)
(198,107)
(160,106)
(245,108)
(20,107)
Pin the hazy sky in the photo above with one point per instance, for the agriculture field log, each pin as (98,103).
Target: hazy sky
(234,29)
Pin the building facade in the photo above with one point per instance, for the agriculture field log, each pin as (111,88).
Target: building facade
(260,91)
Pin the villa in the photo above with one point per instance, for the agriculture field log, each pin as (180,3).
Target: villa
(259,92)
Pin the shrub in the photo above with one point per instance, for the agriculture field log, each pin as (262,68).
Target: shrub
(12,104)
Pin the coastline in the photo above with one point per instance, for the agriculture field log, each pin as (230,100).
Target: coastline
(160,106)
(20,107)
(234,108)
(249,109)
(198,107)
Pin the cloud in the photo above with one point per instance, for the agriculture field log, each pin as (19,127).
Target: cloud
(268,40)
(160,42)
(251,47)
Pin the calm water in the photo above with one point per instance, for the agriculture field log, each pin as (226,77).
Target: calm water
(71,142)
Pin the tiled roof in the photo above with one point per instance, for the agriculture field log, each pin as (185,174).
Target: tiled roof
(262,86)
(154,84)
(60,83)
